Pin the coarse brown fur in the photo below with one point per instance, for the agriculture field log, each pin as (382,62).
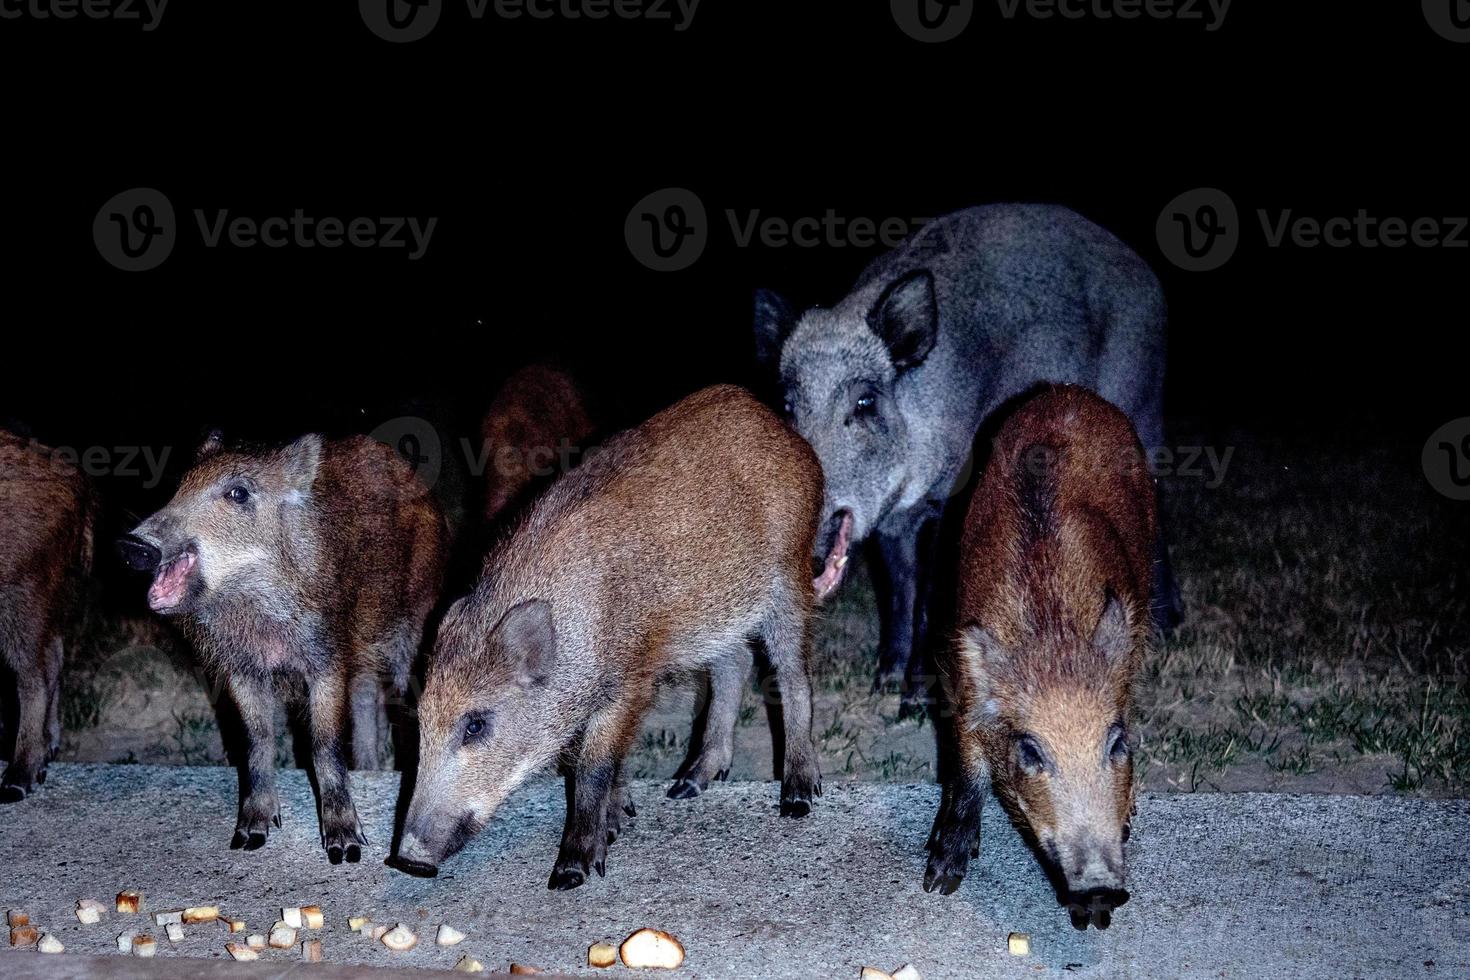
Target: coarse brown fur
(1052,616)
(318,561)
(46,523)
(538,418)
(679,544)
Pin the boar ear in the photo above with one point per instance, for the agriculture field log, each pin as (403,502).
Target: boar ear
(984,657)
(301,460)
(214,441)
(1113,637)
(906,318)
(773,322)
(528,637)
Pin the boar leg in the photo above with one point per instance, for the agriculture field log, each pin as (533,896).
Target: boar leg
(28,767)
(896,580)
(712,743)
(367,711)
(591,784)
(619,804)
(956,835)
(53,699)
(342,834)
(784,636)
(259,805)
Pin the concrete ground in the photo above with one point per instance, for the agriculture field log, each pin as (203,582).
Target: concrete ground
(1247,885)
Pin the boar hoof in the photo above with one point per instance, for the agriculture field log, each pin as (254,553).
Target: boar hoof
(944,872)
(685,789)
(416,868)
(1080,918)
(11,793)
(565,879)
(253,841)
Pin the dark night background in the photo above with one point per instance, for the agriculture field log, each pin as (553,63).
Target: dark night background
(531,141)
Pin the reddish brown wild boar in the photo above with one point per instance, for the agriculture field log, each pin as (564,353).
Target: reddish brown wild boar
(318,561)
(1052,616)
(537,418)
(46,518)
(673,549)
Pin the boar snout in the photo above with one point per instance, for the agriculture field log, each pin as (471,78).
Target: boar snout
(137,554)
(412,858)
(1094,883)
(1095,906)
(426,843)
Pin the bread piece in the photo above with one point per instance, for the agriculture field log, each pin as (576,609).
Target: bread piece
(468,964)
(125,941)
(907,972)
(311,951)
(174,931)
(255,941)
(448,936)
(15,917)
(144,945)
(311,917)
(378,932)
(1019,943)
(24,936)
(602,955)
(400,939)
(527,971)
(129,901)
(200,913)
(282,936)
(233,925)
(50,944)
(164,918)
(357,922)
(873,973)
(651,949)
(241,953)
(292,917)
(89,911)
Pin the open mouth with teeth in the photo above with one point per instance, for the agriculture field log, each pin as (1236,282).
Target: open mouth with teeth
(171,582)
(839,531)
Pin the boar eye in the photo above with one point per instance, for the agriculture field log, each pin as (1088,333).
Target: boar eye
(475,727)
(866,405)
(237,494)
(1029,755)
(1118,749)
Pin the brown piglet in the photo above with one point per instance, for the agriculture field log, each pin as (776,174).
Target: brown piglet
(670,552)
(1052,620)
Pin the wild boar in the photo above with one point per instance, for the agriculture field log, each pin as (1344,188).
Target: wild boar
(1052,622)
(680,543)
(536,420)
(319,561)
(46,524)
(891,385)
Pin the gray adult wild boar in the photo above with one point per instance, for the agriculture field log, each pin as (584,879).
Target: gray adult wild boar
(318,561)
(46,519)
(669,552)
(892,384)
(1051,623)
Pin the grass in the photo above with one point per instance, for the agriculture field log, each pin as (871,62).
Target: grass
(1325,647)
